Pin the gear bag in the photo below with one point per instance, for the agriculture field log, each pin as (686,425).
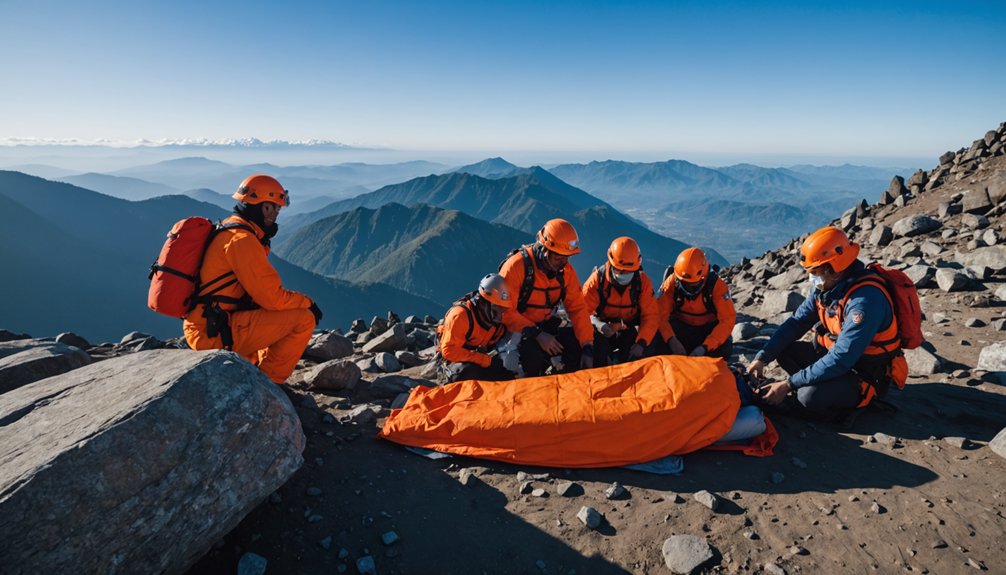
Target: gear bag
(174,277)
(907,309)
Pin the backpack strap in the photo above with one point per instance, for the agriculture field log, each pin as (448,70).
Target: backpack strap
(243,303)
(707,290)
(602,293)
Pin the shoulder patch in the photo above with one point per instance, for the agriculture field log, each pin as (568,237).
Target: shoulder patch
(856,316)
(726,295)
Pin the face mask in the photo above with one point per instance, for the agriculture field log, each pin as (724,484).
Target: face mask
(816,281)
(623,279)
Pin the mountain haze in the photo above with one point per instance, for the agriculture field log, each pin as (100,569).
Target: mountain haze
(76,259)
(435,253)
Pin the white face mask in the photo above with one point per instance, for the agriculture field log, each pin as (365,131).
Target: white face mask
(623,279)
(816,281)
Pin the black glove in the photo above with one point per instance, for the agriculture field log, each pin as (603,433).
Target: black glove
(317,313)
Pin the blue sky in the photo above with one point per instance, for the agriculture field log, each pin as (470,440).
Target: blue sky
(630,80)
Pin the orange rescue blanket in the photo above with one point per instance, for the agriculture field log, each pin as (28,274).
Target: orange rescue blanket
(604,417)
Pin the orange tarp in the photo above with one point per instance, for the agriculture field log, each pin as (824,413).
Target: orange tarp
(604,417)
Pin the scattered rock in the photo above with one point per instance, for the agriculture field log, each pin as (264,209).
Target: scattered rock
(539,493)
(391,340)
(568,488)
(390,386)
(773,569)
(976,201)
(589,517)
(387,362)
(921,361)
(998,444)
(408,358)
(958,442)
(684,554)
(777,302)
(389,538)
(525,487)
(72,339)
(467,477)
(334,374)
(878,508)
(366,566)
(951,280)
(884,439)
(915,225)
(25,361)
(327,346)
(708,499)
(252,564)
(614,491)
(744,331)
(797,550)
(993,359)
(881,236)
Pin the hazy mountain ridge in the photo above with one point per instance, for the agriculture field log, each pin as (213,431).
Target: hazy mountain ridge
(78,260)
(436,253)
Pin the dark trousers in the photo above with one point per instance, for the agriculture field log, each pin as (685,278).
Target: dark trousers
(615,349)
(830,397)
(535,361)
(463,370)
(692,336)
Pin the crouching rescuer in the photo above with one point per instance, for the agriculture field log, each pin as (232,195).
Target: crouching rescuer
(543,281)
(857,352)
(241,304)
(697,315)
(620,295)
(472,331)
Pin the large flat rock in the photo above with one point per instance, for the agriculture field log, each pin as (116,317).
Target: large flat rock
(139,464)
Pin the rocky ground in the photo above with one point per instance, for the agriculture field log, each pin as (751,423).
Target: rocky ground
(916,490)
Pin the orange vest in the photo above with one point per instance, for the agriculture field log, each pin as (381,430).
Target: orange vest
(463,338)
(885,343)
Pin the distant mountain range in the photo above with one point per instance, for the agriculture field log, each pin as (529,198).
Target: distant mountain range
(428,251)
(119,186)
(76,259)
(524,202)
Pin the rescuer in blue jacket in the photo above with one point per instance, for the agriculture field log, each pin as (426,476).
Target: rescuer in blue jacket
(857,352)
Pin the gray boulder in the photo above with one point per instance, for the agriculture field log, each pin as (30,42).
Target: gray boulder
(997,191)
(334,374)
(881,236)
(998,444)
(327,346)
(1001,292)
(387,362)
(915,225)
(976,201)
(391,340)
(894,191)
(951,280)
(992,257)
(921,275)
(389,386)
(922,361)
(683,554)
(974,221)
(744,331)
(28,360)
(408,358)
(70,338)
(157,455)
(777,302)
(993,359)
(946,209)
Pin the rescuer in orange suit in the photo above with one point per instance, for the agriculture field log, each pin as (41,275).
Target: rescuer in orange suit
(619,295)
(697,315)
(242,305)
(542,280)
(471,330)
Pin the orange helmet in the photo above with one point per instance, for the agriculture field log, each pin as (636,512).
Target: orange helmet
(262,188)
(493,289)
(828,245)
(559,236)
(691,266)
(624,254)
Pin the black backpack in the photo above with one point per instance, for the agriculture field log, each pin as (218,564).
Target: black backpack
(707,290)
(635,288)
(527,285)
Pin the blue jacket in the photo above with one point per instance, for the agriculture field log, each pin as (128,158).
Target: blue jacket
(868,305)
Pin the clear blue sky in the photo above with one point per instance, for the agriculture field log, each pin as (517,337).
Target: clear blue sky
(847,78)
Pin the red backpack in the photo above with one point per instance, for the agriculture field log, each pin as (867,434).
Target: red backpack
(907,309)
(174,277)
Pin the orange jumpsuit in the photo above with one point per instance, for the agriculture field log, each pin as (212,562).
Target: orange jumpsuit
(693,312)
(273,336)
(619,306)
(456,345)
(545,297)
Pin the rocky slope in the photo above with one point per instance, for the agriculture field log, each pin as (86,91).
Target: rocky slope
(919,490)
